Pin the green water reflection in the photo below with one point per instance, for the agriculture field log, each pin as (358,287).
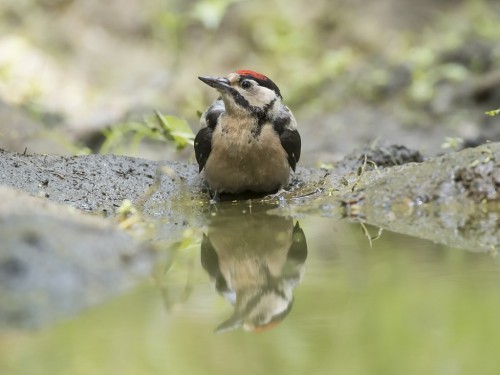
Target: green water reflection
(405,306)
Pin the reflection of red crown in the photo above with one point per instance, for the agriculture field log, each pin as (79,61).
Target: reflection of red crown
(268,326)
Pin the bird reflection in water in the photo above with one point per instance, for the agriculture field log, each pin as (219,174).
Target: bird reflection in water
(256,259)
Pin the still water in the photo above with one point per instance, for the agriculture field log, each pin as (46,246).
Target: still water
(253,293)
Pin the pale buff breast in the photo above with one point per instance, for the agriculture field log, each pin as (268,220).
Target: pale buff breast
(239,161)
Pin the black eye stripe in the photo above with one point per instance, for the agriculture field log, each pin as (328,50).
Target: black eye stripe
(239,99)
(264,83)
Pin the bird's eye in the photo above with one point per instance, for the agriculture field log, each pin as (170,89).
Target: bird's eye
(246,84)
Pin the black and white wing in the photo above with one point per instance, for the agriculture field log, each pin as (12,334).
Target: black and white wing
(286,127)
(203,140)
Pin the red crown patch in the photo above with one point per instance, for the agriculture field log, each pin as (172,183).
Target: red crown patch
(251,73)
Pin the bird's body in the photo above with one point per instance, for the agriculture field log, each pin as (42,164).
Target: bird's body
(248,139)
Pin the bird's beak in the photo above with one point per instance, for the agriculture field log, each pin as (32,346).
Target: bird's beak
(234,322)
(218,83)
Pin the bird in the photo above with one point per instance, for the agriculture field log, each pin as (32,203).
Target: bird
(256,260)
(248,139)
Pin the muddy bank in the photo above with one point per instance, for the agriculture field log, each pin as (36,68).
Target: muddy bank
(173,191)
(55,260)
(452,199)
(98,183)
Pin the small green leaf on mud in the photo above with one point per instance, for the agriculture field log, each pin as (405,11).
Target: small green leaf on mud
(453,143)
(493,112)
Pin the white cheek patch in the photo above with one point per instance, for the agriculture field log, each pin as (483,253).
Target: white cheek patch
(260,97)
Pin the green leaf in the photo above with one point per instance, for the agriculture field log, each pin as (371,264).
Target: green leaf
(175,129)
(453,143)
(493,112)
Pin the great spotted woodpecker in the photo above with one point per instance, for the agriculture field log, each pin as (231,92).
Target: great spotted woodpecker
(248,139)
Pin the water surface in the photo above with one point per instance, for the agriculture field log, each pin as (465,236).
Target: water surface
(325,300)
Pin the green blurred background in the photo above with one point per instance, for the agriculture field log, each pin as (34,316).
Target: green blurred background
(352,71)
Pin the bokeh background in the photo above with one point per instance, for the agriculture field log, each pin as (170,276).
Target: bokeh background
(87,76)
(352,71)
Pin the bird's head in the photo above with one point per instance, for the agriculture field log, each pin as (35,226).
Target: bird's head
(260,309)
(246,91)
